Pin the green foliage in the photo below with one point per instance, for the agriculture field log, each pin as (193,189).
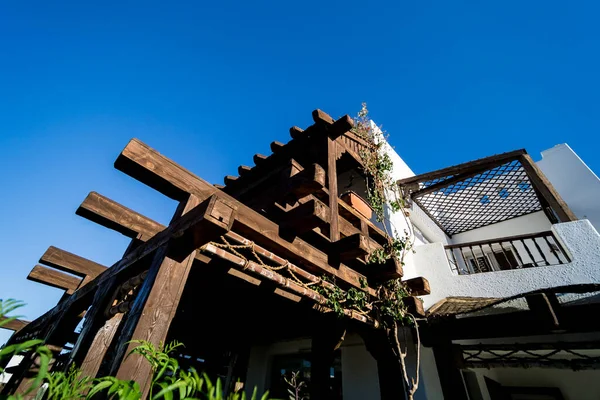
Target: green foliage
(391,305)
(42,353)
(297,388)
(169,380)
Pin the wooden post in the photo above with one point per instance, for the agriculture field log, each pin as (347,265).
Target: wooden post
(156,303)
(326,339)
(334,228)
(451,379)
(391,382)
(543,186)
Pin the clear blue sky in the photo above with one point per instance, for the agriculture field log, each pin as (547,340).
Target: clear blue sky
(210,85)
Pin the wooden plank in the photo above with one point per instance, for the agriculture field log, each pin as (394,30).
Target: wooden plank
(545,188)
(459,177)
(296,132)
(194,223)
(239,274)
(418,286)
(54,278)
(229,179)
(259,159)
(99,346)
(320,116)
(351,247)
(276,146)
(414,305)
(243,169)
(334,128)
(327,337)
(305,217)
(287,295)
(155,307)
(461,168)
(334,224)
(71,263)
(14,325)
(113,215)
(153,169)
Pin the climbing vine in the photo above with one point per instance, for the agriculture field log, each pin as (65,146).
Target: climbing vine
(388,308)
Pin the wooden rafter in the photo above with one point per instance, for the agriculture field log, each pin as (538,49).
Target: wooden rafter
(162,174)
(71,263)
(14,324)
(54,278)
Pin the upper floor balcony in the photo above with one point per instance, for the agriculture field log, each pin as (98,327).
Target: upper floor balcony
(496,227)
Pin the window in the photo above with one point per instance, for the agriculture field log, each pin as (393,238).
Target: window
(480,263)
(284,364)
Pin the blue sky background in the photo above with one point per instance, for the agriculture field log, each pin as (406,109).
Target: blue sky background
(211,84)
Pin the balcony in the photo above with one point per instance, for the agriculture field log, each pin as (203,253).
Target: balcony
(507,253)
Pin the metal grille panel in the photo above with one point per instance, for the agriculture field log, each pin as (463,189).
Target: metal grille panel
(492,196)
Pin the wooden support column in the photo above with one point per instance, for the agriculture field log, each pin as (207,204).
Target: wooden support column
(543,186)
(327,338)
(334,229)
(391,382)
(447,360)
(158,298)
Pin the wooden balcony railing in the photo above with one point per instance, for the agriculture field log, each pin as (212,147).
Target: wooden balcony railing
(514,252)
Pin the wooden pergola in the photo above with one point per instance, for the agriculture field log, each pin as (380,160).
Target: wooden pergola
(244,256)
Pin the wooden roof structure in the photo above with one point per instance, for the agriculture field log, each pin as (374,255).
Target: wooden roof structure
(279,225)
(484,192)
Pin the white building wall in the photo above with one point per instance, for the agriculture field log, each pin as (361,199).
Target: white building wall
(574,385)
(530,223)
(578,238)
(576,183)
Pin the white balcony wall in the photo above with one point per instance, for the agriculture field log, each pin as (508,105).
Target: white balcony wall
(579,238)
(576,183)
(530,223)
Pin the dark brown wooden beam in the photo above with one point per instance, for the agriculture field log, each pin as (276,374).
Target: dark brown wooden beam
(156,304)
(296,132)
(334,128)
(276,146)
(414,305)
(418,286)
(543,186)
(334,217)
(113,215)
(461,168)
(229,179)
(188,228)
(327,337)
(305,217)
(71,263)
(259,159)
(351,247)
(150,167)
(54,278)
(13,325)
(243,169)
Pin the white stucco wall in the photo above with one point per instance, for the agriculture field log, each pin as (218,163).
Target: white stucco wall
(574,385)
(579,238)
(530,223)
(576,183)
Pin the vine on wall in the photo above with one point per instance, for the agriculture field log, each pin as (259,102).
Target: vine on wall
(383,194)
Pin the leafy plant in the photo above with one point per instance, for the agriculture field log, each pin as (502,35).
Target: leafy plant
(169,380)
(297,387)
(34,348)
